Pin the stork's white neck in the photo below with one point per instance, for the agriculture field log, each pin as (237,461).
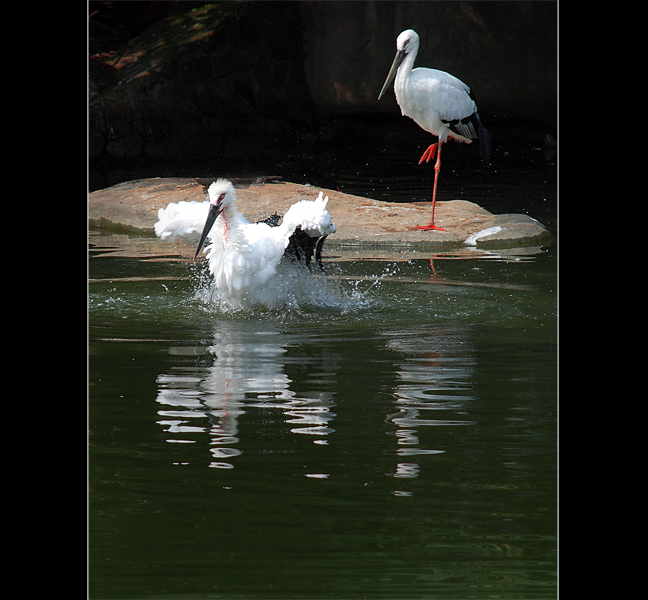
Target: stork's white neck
(401,83)
(226,235)
(404,70)
(228,222)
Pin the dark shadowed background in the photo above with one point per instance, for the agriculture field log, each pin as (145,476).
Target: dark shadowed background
(290,88)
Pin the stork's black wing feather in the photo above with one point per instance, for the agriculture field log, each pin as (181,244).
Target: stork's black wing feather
(272,220)
(471,127)
(301,246)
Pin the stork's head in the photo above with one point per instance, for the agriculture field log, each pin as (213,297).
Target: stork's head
(406,43)
(221,194)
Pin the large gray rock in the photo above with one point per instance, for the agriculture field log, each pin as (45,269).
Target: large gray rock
(361,222)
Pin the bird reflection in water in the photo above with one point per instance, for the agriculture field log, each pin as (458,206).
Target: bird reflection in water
(257,372)
(248,374)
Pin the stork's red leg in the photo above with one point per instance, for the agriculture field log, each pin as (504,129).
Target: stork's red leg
(428,155)
(437,168)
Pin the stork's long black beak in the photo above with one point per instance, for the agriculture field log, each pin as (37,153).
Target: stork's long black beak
(214,211)
(398,59)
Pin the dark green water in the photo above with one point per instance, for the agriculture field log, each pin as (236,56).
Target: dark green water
(398,440)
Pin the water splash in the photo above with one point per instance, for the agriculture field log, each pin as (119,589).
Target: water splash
(294,288)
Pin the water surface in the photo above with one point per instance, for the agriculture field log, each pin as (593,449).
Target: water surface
(394,437)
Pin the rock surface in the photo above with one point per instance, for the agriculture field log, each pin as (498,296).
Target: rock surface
(361,222)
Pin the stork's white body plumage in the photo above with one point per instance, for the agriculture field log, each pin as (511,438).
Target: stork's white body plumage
(181,221)
(439,103)
(243,257)
(435,99)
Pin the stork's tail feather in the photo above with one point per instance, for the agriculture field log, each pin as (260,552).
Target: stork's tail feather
(484,144)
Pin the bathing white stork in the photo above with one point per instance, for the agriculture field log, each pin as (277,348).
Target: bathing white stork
(438,102)
(244,257)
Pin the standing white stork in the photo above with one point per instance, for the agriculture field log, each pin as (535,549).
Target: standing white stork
(244,257)
(438,102)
